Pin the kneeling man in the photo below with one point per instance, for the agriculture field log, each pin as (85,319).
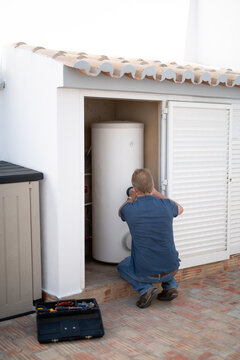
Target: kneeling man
(154,258)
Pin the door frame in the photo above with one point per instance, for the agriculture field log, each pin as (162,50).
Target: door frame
(163,128)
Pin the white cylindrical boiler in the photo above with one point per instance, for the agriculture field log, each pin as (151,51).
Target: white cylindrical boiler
(117,150)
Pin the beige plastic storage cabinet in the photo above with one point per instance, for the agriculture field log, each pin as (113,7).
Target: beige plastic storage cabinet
(20,251)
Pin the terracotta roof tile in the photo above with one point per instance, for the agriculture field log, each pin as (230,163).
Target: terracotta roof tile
(139,69)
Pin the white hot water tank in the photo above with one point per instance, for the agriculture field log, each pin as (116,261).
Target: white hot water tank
(117,150)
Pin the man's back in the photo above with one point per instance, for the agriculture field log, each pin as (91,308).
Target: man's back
(150,223)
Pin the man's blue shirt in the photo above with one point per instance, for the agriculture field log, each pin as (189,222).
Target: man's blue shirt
(150,223)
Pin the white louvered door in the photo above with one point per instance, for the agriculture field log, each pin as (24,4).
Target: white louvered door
(235,183)
(198,171)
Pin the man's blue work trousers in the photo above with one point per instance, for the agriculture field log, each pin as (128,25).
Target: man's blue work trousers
(143,283)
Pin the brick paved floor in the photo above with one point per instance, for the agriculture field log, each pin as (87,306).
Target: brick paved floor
(203,323)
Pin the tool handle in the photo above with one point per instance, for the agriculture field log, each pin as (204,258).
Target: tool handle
(64,305)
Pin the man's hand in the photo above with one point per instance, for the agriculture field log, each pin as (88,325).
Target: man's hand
(133,194)
(158,194)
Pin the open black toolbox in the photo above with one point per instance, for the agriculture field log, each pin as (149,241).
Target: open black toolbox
(68,320)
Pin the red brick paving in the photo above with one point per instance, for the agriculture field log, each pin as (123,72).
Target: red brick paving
(203,323)
(205,356)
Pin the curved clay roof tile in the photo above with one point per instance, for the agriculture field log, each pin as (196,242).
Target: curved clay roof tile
(138,69)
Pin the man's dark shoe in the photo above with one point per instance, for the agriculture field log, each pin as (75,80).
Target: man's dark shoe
(168,295)
(146,299)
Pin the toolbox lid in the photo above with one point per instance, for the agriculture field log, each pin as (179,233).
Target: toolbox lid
(11,173)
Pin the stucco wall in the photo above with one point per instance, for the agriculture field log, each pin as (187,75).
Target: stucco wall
(212,36)
(75,79)
(71,237)
(29,138)
(222,46)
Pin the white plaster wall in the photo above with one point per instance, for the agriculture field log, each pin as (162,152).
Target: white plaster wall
(29,138)
(74,79)
(213,33)
(71,226)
